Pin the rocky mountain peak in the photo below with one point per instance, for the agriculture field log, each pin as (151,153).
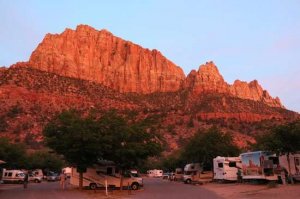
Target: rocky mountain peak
(99,56)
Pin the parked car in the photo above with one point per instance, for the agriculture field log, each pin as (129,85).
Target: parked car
(34,178)
(51,176)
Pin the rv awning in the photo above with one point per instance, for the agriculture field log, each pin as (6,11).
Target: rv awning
(2,162)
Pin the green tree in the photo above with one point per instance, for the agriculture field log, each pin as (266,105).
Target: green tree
(283,139)
(206,145)
(13,154)
(44,160)
(131,144)
(76,138)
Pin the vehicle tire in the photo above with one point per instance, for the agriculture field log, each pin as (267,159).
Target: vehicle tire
(93,186)
(188,181)
(36,181)
(135,186)
(20,182)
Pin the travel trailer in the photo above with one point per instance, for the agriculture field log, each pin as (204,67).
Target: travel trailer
(155,173)
(259,165)
(13,176)
(226,168)
(178,175)
(97,176)
(294,165)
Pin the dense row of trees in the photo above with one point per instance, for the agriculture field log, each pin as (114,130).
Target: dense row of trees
(83,141)
(208,144)
(16,157)
(202,147)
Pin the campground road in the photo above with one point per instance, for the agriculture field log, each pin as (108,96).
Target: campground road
(163,189)
(154,189)
(44,190)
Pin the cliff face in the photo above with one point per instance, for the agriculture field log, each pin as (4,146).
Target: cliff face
(208,80)
(101,57)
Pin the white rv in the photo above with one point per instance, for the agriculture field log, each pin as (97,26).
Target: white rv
(95,177)
(294,165)
(178,176)
(259,165)
(13,176)
(155,173)
(226,168)
(192,172)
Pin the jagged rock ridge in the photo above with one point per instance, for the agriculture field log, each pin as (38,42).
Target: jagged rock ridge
(101,57)
(208,80)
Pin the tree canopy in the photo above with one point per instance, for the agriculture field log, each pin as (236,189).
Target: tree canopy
(13,154)
(281,139)
(208,144)
(76,138)
(85,140)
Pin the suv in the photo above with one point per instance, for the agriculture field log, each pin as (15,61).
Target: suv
(51,176)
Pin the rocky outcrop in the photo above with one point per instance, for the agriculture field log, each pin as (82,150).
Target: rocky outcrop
(101,57)
(208,80)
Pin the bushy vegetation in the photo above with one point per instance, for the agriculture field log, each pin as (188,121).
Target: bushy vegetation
(16,157)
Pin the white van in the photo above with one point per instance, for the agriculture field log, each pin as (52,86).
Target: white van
(13,176)
(226,168)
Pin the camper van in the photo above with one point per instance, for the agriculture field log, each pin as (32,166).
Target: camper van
(259,165)
(155,173)
(294,165)
(192,173)
(226,168)
(13,176)
(95,177)
(178,176)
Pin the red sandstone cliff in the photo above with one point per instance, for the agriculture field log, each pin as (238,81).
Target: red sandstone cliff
(101,57)
(208,80)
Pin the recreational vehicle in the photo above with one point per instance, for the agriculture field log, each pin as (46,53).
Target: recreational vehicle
(178,176)
(192,173)
(99,175)
(226,168)
(13,176)
(294,169)
(155,173)
(259,165)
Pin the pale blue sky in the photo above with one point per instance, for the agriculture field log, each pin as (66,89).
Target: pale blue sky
(258,39)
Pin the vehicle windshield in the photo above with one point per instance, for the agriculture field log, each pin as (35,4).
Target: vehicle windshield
(135,175)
